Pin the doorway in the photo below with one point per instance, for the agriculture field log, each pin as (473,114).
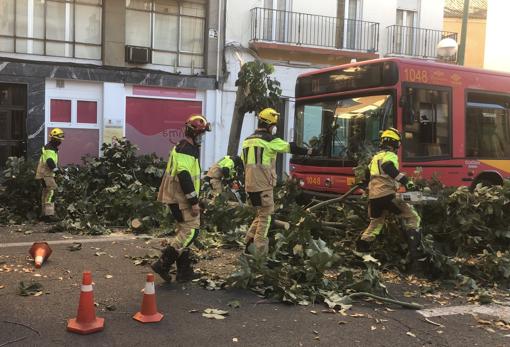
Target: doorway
(13,115)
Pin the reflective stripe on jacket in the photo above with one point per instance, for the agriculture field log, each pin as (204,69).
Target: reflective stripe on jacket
(380,183)
(259,153)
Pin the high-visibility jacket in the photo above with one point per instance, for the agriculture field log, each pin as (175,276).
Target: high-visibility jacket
(222,169)
(381,183)
(181,181)
(259,153)
(48,161)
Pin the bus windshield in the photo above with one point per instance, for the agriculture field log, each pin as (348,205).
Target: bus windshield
(344,128)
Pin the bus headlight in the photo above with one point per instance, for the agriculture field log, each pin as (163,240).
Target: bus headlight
(301,182)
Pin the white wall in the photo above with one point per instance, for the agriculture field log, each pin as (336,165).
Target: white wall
(318,7)
(430,15)
(497,51)
(238,24)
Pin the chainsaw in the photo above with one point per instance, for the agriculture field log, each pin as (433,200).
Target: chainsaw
(415,198)
(235,188)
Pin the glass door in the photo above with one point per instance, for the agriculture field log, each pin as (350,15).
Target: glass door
(406,31)
(276,20)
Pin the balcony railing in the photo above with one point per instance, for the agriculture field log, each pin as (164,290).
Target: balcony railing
(312,30)
(416,42)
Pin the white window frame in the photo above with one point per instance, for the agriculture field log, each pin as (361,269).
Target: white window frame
(356,16)
(74,117)
(69,40)
(409,45)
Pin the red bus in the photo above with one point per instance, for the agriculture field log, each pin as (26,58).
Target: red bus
(455,121)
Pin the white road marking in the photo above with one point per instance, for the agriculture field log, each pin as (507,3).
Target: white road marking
(115,237)
(501,312)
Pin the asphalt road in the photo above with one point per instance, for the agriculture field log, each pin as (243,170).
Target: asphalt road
(41,320)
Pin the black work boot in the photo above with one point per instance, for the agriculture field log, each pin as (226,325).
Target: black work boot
(363,246)
(413,243)
(164,263)
(184,263)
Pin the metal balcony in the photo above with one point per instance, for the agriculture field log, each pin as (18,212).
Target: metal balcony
(295,28)
(415,42)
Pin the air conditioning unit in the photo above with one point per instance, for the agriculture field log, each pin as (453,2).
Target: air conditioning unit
(138,55)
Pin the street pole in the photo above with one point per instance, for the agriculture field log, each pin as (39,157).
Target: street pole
(463,34)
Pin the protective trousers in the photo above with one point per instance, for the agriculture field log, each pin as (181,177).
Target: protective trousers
(264,207)
(48,190)
(378,210)
(187,227)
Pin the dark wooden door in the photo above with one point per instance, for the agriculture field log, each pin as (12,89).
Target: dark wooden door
(13,115)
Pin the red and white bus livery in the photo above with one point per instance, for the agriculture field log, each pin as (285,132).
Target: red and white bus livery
(455,121)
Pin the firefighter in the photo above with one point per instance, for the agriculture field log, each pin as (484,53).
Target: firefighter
(179,189)
(384,178)
(46,170)
(259,153)
(223,173)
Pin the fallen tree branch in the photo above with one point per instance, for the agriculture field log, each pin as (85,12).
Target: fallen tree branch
(334,230)
(331,201)
(410,305)
(434,323)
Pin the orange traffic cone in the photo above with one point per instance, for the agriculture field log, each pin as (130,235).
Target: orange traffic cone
(86,321)
(40,251)
(149,312)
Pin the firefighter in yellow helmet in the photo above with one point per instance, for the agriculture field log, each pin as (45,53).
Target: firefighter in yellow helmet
(179,189)
(222,173)
(384,179)
(259,152)
(45,173)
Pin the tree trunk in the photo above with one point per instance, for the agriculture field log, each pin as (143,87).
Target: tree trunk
(237,124)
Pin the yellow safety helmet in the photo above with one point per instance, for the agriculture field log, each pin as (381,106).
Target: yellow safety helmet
(269,116)
(390,137)
(391,133)
(57,133)
(197,124)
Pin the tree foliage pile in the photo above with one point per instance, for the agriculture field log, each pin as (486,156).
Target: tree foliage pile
(466,239)
(466,234)
(108,191)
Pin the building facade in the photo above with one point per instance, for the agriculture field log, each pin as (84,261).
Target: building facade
(101,69)
(297,36)
(477,23)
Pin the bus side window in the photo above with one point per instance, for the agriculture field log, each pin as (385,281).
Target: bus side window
(487,126)
(426,123)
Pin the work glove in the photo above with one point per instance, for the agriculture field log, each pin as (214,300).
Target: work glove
(195,210)
(206,186)
(363,185)
(410,185)
(57,171)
